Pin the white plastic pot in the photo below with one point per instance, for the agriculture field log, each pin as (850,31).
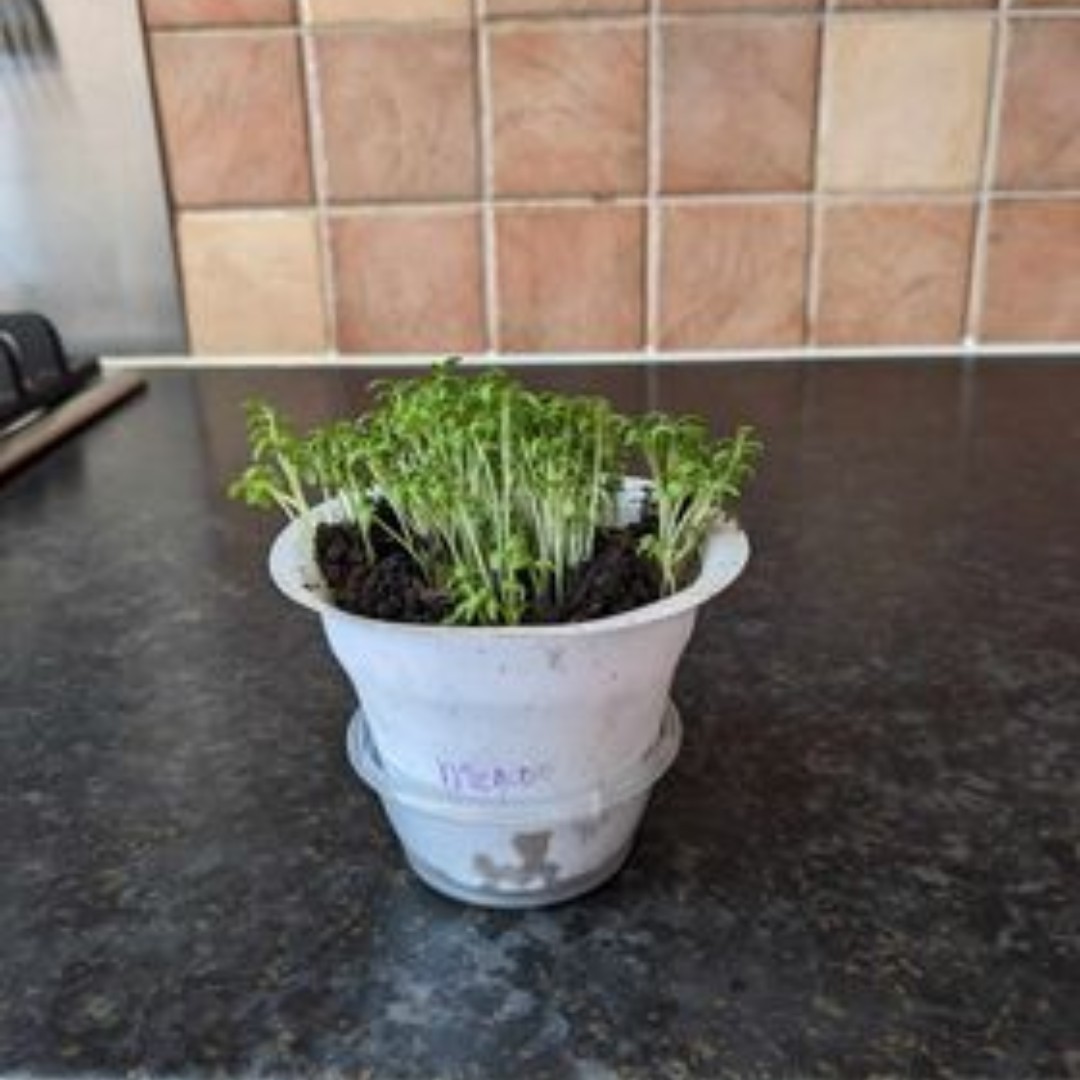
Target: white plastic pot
(511,716)
(509,853)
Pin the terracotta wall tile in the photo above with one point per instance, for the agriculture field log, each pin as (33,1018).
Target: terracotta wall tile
(907,96)
(570,278)
(544,7)
(408,281)
(252,282)
(1040,133)
(232,115)
(399,110)
(894,274)
(898,5)
(174,13)
(1033,272)
(733,275)
(739,5)
(354,11)
(738,105)
(569,110)
(906,102)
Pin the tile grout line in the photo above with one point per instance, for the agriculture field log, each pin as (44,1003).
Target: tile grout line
(816,224)
(605,20)
(247,30)
(486,133)
(1019,14)
(991,140)
(653,217)
(830,12)
(1046,195)
(320,176)
(452,205)
(307,26)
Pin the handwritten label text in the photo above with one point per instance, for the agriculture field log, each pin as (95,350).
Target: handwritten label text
(470,778)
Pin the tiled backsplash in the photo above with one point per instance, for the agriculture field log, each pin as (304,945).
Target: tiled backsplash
(430,176)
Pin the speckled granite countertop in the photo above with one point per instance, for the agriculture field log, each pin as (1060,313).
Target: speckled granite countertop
(866,860)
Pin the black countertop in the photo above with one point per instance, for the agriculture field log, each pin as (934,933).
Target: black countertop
(865,861)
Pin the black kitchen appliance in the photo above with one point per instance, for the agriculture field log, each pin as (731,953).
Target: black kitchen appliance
(45,394)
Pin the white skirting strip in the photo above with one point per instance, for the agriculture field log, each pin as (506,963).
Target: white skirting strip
(1056,351)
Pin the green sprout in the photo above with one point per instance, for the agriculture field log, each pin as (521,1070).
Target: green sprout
(693,479)
(280,467)
(496,492)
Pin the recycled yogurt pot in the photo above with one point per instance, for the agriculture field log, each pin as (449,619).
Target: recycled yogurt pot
(514,762)
(516,853)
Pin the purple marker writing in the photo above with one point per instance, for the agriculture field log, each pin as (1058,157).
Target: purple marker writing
(473,778)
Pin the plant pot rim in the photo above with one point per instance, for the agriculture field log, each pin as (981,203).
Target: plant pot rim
(293,571)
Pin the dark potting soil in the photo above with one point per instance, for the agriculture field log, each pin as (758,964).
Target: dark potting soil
(615,579)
